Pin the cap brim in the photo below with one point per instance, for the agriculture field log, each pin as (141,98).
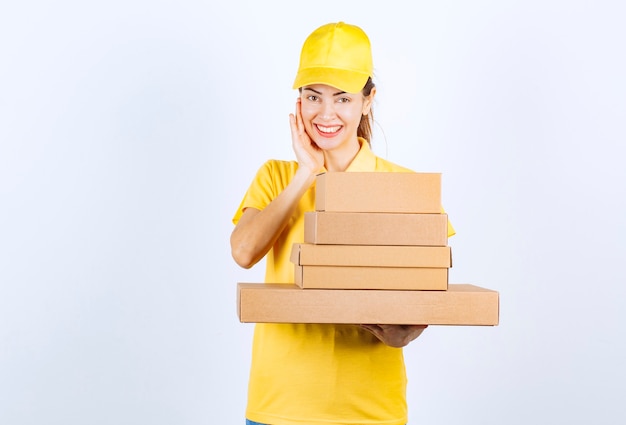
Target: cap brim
(344,80)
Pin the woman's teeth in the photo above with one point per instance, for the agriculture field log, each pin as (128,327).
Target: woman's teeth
(329,129)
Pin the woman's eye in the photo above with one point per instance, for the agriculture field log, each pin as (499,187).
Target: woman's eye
(312,98)
(343,100)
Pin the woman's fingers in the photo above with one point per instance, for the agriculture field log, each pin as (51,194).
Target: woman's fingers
(396,335)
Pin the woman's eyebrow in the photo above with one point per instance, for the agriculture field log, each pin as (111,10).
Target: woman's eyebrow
(318,92)
(314,91)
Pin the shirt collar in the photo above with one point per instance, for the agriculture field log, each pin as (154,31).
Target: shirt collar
(365,160)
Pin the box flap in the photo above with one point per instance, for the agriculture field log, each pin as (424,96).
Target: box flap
(295,254)
(308,254)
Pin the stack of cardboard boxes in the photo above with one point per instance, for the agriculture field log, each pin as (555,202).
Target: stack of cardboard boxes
(375,251)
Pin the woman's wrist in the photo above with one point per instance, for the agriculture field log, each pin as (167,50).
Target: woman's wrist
(305,176)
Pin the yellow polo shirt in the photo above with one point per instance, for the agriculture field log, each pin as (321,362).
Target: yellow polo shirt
(310,374)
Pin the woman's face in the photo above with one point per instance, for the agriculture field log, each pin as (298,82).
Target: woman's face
(331,117)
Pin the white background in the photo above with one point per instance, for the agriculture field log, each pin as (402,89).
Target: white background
(129,131)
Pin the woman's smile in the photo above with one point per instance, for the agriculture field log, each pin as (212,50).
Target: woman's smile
(328,131)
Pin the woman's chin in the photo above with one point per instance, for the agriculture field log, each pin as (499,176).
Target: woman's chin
(326,144)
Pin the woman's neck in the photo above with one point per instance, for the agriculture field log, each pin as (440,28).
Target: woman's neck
(340,159)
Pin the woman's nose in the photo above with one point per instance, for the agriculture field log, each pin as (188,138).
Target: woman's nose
(328,110)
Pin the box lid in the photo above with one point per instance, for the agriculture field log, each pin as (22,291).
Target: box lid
(303,254)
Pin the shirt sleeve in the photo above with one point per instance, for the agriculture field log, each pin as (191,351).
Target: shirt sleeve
(451,231)
(260,192)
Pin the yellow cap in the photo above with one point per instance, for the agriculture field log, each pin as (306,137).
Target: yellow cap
(338,55)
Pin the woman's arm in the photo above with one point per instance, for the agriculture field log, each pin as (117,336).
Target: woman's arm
(256,231)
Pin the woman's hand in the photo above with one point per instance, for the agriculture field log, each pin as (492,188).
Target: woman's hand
(396,335)
(309,156)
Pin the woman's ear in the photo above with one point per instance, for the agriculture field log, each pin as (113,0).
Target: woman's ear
(367,101)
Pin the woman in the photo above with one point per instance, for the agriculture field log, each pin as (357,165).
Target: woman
(304,373)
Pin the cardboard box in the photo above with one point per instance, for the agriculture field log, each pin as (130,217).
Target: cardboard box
(337,228)
(358,277)
(378,192)
(461,304)
(304,254)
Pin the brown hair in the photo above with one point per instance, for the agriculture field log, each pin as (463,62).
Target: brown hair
(365,126)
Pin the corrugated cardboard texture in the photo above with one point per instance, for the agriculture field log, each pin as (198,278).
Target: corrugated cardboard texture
(371,255)
(334,228)
(378,192)
(391,278)
(461,304)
